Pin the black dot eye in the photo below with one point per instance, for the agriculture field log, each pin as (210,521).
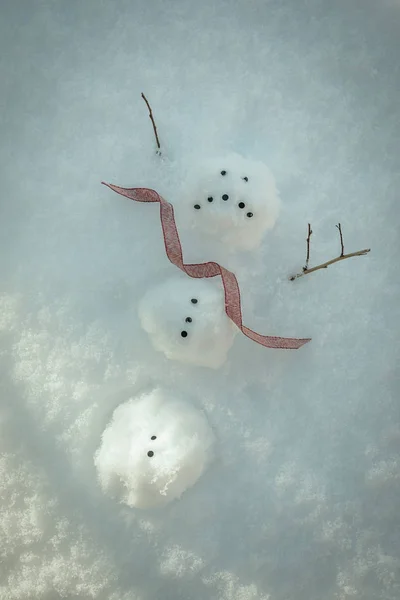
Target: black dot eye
(249,214)
(245,179)
(241,205)
(188,319)
(184,333)
(210,198)
(225,197)
(194,301)
(150,453)
(223,172)
(197,206)
(153,437)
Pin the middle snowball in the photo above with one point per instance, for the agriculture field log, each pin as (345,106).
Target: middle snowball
(186,320)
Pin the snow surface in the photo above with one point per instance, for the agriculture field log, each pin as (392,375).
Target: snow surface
(155,448)
(186,320)
(301,502)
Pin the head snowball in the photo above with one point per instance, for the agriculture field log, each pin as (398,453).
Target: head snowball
(233,198)
(154,448)
(186,320)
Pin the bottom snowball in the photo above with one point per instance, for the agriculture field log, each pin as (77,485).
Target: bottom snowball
(154,448)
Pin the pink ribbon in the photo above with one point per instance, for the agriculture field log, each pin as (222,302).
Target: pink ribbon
(173,249)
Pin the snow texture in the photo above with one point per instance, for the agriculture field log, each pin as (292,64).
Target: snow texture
(232,198)
(301,501)
(154,449)
(186,320)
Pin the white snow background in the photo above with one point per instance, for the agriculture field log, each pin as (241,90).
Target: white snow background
(302,501)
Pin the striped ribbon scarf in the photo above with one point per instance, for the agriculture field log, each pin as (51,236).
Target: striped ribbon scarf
(174,252)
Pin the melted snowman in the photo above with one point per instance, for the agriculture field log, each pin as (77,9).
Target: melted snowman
(186,320)
(154,448)
(233,198)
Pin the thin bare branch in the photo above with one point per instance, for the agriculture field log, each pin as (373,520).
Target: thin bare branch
(341,238)
(330,262)
(308,248)
(153,123)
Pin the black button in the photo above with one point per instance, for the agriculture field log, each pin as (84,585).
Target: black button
(210,198)
(194,301)
(150,453)
(223,172)
(249,215)
(197,206)
(241,205)
(153,437)
(245,179)
(184,333)
(225,197)
(188,319)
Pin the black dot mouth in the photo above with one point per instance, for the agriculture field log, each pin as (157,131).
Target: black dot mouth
(150,453)
(246,179)
(210,199)
(184,334)
(249,215)
(225,197)
(194,301)
(188,319)
(241,205)
(153,437)
(223,173)
(197,206)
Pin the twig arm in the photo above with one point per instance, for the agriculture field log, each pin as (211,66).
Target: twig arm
(341,238)
(308,248)
(326,264)
(153,123)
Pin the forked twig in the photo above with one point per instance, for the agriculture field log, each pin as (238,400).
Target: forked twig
(153,123)
(326,264)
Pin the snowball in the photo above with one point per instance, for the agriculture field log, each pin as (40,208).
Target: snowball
(154,448)
(233,198)
(186,320)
